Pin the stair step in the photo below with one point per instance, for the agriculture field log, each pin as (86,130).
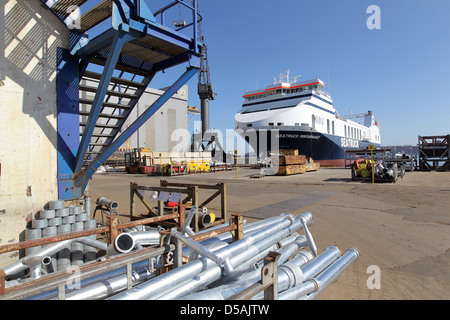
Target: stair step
(101,125)
(96,144)
(103,115)
(110,92)
(97,76)
(100,135)
(106,104)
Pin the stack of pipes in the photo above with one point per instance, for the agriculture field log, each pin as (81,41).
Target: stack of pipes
(56,219)
(229,269)
(219,268)
(384,170)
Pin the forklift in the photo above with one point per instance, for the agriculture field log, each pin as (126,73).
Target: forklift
(138,161)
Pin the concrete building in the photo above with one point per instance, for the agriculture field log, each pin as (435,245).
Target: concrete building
(30,36)
(156,133)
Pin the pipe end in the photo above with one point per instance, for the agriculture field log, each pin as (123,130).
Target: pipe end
(124,243)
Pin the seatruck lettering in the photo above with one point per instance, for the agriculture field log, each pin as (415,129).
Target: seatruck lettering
(349,143)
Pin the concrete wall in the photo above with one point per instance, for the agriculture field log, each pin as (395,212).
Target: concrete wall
(29,38)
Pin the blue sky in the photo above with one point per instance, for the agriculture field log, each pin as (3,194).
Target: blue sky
(401,71)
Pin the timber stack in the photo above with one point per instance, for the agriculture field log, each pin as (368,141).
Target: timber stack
(290,162)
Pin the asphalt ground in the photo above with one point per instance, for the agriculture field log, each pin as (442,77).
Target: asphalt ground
(401,229)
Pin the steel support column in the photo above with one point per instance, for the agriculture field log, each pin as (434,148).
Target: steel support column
(68,123)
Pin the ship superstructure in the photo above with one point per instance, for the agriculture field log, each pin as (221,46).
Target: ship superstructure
(302,116)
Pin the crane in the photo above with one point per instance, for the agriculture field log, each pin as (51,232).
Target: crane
(205,87)
(206,93)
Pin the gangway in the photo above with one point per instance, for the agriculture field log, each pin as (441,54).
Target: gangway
(122,57)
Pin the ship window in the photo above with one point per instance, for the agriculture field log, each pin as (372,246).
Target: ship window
(280,123)
(328,126)
(332,126)
(270,123)
(345,130)
(249,125)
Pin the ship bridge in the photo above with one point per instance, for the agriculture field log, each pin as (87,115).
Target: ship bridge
(284,88)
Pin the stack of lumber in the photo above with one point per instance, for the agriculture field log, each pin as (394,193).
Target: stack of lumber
(311,165)
(290,164)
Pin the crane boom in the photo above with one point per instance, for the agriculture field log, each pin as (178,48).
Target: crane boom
(205,87)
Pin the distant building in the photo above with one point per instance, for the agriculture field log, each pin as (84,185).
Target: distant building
(156,133)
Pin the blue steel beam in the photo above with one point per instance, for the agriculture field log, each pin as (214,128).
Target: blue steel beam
(120,39)
(82,179)
(96,44)
(68,123)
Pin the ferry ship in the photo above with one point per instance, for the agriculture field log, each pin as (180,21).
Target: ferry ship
(291,114)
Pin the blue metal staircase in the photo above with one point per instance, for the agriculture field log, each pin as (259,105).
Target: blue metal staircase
(101,79)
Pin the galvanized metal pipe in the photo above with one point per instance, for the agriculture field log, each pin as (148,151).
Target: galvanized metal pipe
(203,251)
(186,227)
(287,247)
(246,279)
(126,242)
(112,285)
(291,275)
(332,273)
(50,250)
(323,260)
(249,228)
(311,288)
(227,291)
(113,282)
(243,258)
(151,256)
(110,204)
(35,263)
(171,279)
